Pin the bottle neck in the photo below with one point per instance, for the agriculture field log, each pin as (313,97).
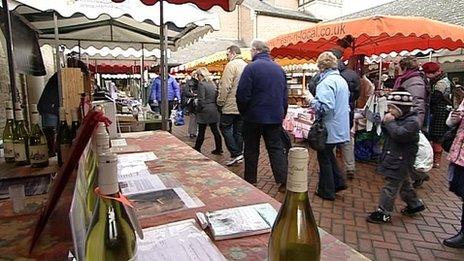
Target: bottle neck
(107,174)
(297,180)
(9,114)
(35,118)
(19,115)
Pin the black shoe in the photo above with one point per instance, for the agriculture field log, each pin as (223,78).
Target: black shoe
(350,174)
(456,241)
(340,188)
(378,217)
(417,183)
(282,188)
(407,211)
(217,152)
(324,198)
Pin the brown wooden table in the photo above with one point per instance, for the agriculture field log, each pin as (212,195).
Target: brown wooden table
(213,184)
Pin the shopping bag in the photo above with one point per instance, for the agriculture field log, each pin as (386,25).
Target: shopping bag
(424,156)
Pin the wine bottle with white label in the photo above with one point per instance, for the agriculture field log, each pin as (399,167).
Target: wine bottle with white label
(110,235)
(294,235)
(20,140)
(100,144)
(63,138)
(38,150)
(8,145)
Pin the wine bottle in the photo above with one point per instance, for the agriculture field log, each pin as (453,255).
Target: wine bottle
(294,235)
(38,150)
(110,235)
(100,144)
(20,140)
(75,124)
(64,138)
(8,145)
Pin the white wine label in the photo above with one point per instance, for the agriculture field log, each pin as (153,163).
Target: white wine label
(20,152)
(38,154)
(297,180)
(9,150)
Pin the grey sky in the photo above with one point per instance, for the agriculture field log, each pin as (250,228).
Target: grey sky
(351,6)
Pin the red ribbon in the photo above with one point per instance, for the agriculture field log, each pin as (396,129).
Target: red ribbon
(121,198)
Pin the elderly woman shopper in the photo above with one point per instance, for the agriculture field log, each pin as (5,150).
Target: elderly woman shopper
(332,104)
(456,170)
(440,101)
(208,115)
(411,79)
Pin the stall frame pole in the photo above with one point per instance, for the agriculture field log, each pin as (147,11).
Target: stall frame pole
(10,51)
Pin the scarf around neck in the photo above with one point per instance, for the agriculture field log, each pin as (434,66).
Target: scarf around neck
(408,74)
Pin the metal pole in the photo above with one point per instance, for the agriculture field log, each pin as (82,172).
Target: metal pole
(10,53)
(142,78)
(57,59)
(79,46)
(163,76)
(380,73)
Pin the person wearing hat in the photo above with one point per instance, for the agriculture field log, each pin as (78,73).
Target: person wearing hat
(440,102)
(401,128)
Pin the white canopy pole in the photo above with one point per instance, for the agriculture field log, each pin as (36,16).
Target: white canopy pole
(57,59)
(163,73)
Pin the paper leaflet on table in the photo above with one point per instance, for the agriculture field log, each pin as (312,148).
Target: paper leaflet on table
(177,241)
(241,221)
(118,143)
(140,156)
(140,184)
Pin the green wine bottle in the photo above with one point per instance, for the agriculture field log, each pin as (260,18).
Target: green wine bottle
(64,137)
(294,235)
(8,145)
(75,123)
(100,144)
(38,150)
(110,236)
(20,140)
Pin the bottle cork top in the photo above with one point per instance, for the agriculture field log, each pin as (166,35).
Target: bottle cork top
(74,114)
(33,107)
(62,113)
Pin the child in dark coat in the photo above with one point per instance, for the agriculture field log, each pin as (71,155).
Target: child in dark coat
(401,129)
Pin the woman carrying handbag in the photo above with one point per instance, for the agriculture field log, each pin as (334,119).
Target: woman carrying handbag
(208,115)
(331,104)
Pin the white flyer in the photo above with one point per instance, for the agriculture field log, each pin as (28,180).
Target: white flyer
(132,172)
(140,156)
(141,184)
(118,143)
(177,241)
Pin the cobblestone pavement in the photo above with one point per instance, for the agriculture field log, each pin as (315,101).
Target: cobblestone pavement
(406,238)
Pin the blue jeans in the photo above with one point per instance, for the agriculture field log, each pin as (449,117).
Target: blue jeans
(50,120)
(330,177)
(231,128)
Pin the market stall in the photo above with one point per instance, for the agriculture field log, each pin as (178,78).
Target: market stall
(368,36)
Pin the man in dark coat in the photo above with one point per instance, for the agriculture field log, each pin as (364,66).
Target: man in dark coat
(352,78)
(262,101)
(401,128)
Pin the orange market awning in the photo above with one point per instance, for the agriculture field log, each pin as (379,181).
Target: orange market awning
(368,36)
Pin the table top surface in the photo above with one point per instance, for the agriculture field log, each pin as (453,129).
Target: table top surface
(213,184)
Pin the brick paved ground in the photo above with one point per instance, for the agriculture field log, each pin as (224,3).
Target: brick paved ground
(406,238)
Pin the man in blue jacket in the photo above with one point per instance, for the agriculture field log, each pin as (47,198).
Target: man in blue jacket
(262,101)
(155,94)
